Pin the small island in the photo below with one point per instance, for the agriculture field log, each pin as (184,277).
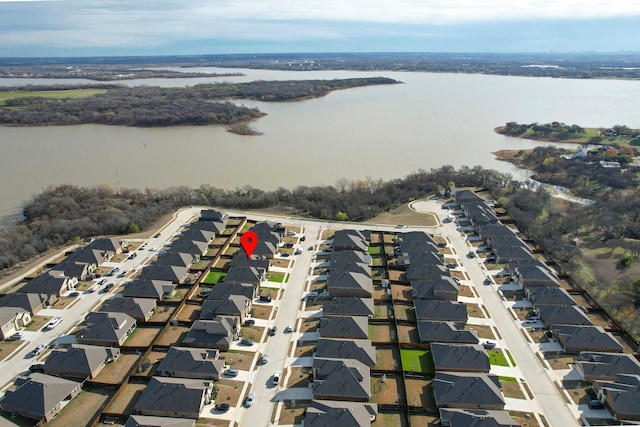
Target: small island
(561,132)
(151,106)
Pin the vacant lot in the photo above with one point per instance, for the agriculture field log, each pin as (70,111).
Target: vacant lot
(417,360)
(142,336)
(419,393)
(404,215)
(238,359)
(115,372)
(83,407)
(387,391)
(173,335)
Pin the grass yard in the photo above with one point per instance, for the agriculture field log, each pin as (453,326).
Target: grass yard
(214,277)
(54,94)
(496,357)
(374,250)
(417,360)
(8,347)
(252,332)
(277,277)
(511,359)
(404,215)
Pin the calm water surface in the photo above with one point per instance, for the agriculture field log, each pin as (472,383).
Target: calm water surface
(381,132)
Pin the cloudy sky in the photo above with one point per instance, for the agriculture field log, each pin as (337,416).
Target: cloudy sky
(143,27)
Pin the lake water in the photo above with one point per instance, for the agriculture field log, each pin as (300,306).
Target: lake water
(379,131)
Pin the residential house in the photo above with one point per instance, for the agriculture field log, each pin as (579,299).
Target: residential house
(337,379)
(270,237)
(562,315)
(441,310)
(460,357)
(177,258)
(223,291)
(196,363)
(351,240)
(465,196)
(12,319)
(168,273)
(216,227)
(327,413)
(72,269)
(49,284)
(149,421)
(467,391)
(140,309)
(438,288)
(235,306)
(622,396)
(147,288)
(350,267)
(349,284)
(418,259)
(110,245)
(533,274)
(360,350)
(451,417)
(579,338)
(348,306)
(240,259)
(39,396)
(251,275)
(198,235)
(212,215)
(349,327)
(106,329)
(336,259)
(218,333)
(606,366)
(426,271)
(433,331)
(174,397)
(548,295)
(191,247)
(32,303)
(80,361)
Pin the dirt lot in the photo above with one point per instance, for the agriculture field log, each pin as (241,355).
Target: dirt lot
(114,373)
(381,311)
(228,391)
(388,392)
(404,215)
(84,406)
(173,335)
(261,311)
(152,359)
(64,302)
(189,313)
(238,359)
(578,391)
(38,322)
(309,325)
(483,331)
(299,377)
(401,293)
(465,291)
(380,333)
(474,310)
(560,361)
(405,312)
(512,389)
(304,350)
(396,276)
(293,413)
(142,336)
(388,419)
(285,263)
(387,358)
(125,401)
(424,420)
(408,334)
(523,313)
(419,394)
(521,418)
(599,319)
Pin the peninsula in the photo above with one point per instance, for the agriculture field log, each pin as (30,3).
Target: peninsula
(561,132)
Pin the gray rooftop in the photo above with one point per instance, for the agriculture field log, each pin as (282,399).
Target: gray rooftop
(463,389)
(79,360)
(441,310)
(354,327)
(328,413)
(361,350)
(460,357)
(191,363)
(173,395)
(38,394)
(476,418)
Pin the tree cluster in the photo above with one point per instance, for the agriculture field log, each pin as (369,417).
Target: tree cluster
(553,131)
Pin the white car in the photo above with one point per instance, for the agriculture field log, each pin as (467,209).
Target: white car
(53,323)
(276,377)
(39,349)
(249,401)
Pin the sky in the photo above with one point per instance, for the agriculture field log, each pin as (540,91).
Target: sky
(172,27)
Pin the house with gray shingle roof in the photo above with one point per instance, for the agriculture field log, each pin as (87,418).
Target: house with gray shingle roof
(460,357)
(467,391)
(169,273)
(533,275)
(578,338)
(235,305)
(174,397)
(562,315)
(452,417)
(197,363)
(351,240)
(622,396)
(462,196)
(198,235)
(336,379)
(149,421)
(106,329)
(349,284)
(434,331)
(250,275)
(426,272)
(80,361)
(348,306)
(225,290)
(345,257)
(548,295)
(32,303)
(216,227)
(351,327)
(606,366)
(72,269)
(441,310)
(212,215)
(240,259)
(360,350)
(327,413)
(439,288)
(147,288)
(49,284)
(187,246)
(140,309)
(179,259)
(39,396)
(217,333)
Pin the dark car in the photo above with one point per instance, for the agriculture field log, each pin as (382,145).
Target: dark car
(249,322)
(37,367)
(204,293)
(246,341)
(303,238)
(109,286)
(596,404)
(74,294)
(224,407)
(273,331)
(265,298)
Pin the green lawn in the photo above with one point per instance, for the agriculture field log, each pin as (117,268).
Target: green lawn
(508,379)
(58,94)
(513,362)
(374,250)
(417,360)
(276,277)
(496,357)
(214,277)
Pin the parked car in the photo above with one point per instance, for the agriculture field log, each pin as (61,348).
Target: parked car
(596,404)
(284,255)
(102,282)
(246,341)
(204,293)
(231,372)
(53,323)
(489,344)
(265,298)
(491,258)
(487,281)
(273,331)
(471,254)
(531,319)
(74,294)
(312,294)
(310,248)
(298,252)
(249,322)
(288,329)
(17,336)
(249,401)
(224,407)
(264,359)
(109,286)
(36,367)
(156,235)
(303,238)
(39,349)
(276,377)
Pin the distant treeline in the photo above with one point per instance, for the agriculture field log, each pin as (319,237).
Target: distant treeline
(66,213)
(145,106)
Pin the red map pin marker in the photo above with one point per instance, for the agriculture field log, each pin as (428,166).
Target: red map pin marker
(249,242)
